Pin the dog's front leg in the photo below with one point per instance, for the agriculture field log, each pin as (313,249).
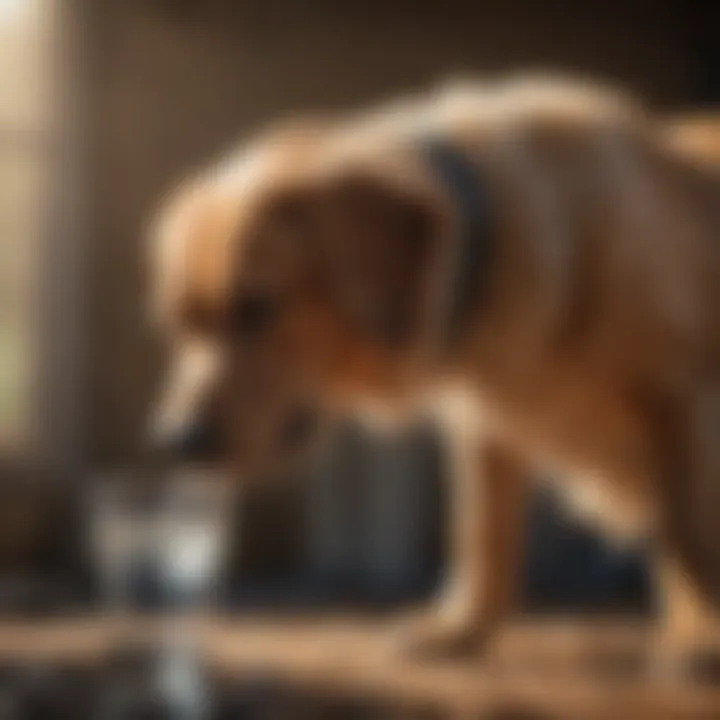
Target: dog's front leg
(485,537)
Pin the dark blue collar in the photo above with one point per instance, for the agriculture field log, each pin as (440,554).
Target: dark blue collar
(471,254)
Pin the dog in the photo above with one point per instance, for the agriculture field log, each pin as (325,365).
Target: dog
(532,262)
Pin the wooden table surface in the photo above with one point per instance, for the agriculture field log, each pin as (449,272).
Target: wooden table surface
(560,669)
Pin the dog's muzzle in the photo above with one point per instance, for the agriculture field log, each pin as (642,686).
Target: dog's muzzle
(196,441)
(183,428)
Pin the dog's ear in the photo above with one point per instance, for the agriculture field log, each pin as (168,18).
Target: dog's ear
(368,244)
(375,245)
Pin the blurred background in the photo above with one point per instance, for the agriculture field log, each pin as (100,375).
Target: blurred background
(103,106)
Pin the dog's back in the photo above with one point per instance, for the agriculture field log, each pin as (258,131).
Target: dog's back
(697,134)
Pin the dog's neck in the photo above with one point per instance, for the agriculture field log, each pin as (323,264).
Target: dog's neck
(469,256)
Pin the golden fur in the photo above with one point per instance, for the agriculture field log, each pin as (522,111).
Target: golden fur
(592,353)
(697,134)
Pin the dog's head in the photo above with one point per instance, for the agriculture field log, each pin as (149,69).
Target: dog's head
(289,289)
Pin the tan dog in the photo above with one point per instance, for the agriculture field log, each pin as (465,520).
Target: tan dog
(533,262)
(697,134)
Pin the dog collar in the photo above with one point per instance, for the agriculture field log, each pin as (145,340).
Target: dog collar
(469,260)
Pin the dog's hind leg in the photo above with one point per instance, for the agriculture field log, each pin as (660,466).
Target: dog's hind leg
(689,557)
(684,645)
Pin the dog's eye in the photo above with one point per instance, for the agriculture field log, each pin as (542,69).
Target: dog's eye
(251,314)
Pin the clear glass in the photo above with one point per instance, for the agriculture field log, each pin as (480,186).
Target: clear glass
(173,539)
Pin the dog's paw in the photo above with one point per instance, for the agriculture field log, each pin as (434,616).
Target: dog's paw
(428,635)
(684,662)
(694,666)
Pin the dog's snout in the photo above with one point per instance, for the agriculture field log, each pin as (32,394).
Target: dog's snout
(198,441)
(195,441)
(184,424)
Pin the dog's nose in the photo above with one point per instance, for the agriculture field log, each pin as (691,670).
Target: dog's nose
(195,441)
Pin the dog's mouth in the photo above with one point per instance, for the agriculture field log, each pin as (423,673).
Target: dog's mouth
(298,430)
(296,445)
(275,451)
(271,448)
